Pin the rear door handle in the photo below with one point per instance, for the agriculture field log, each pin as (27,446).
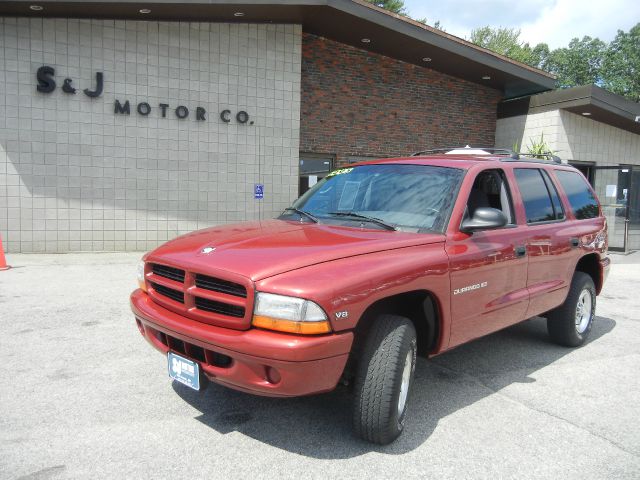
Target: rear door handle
(575,242)
(521,251)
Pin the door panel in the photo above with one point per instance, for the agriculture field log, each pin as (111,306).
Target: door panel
(488,283)
(550,262)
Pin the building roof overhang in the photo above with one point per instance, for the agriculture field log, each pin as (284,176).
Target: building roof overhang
(589,100)
(346,21)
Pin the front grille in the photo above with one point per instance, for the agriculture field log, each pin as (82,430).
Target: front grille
(219,307)
(215,299)
(169,292)
(168,272)
(194,352)
(219,285)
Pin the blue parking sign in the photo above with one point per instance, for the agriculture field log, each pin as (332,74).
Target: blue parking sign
(258,191)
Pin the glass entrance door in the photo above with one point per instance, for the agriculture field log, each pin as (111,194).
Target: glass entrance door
(614,187)
(313,168)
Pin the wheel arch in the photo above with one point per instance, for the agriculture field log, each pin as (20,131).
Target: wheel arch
(419,306)
(590,264)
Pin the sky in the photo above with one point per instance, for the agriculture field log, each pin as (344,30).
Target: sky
(554,22)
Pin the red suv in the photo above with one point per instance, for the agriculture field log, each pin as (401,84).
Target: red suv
(376,264)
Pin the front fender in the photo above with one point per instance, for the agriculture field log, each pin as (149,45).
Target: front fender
(345,288)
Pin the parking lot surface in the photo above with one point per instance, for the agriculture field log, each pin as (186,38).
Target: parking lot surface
(84,396)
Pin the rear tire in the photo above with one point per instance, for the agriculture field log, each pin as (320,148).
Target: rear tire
(383,379)
(570,324)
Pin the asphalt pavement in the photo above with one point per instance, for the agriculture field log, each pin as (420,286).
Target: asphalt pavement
(84,396)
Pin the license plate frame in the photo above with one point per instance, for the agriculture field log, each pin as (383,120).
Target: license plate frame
(183,370)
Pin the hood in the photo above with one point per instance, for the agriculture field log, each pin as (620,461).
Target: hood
(262,249)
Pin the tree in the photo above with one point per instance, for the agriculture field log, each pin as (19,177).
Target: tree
(506,41)
(437,25)
(621,64)
(614,66)
(395,6)
(578,64)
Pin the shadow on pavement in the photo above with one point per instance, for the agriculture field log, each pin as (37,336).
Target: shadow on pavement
(320,426)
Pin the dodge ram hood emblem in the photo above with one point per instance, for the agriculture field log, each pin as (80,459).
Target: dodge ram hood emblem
(206,250)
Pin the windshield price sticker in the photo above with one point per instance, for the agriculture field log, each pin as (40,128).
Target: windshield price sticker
(340,171)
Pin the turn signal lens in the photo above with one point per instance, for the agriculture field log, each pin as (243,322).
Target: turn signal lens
(141,283)
(290,326)
(289,314)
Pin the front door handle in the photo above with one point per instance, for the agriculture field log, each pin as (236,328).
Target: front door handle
(575,242)
(521,251)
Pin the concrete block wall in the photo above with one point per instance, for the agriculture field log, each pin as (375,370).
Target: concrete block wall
(572,136)
(75,176)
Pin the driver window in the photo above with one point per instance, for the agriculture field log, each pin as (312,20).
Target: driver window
(490,189)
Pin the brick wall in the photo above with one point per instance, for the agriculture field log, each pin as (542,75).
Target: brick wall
(356,103)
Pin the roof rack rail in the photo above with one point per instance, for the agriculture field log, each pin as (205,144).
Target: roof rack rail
(472,151)
(500,151)
(547,155)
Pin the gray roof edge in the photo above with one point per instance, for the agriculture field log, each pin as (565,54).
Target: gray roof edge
(383,18)
(474,53)
(585,95)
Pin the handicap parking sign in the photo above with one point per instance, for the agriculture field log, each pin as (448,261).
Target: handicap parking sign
(258,191)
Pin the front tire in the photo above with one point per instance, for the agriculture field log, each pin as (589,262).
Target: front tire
(570,324)
(383,379)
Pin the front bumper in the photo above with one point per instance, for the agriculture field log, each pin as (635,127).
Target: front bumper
(256,361)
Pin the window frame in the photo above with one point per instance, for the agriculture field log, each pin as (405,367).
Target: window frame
(589,189)
(550,184)
(505,180)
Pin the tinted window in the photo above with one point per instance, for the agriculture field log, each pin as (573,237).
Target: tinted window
(535,196)
(582,201)
(410,197)
(555,199)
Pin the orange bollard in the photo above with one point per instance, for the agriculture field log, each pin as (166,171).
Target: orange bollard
(3,261)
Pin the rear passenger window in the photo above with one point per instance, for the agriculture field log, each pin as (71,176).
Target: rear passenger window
(582,201)
(535,195)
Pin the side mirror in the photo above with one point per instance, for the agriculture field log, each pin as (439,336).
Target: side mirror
(484,218)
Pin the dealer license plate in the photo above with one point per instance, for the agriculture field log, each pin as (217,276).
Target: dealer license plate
(184,370)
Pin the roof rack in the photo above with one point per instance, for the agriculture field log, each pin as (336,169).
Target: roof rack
(500,151)
(547,155)
(472,151)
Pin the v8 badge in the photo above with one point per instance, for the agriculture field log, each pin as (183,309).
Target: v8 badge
(343,314)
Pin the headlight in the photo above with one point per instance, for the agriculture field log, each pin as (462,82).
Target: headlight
(141,283)
(289,314)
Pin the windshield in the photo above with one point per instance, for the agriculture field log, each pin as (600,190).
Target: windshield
(411,198)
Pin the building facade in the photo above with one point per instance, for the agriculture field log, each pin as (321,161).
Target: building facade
(122,127)
(595,131)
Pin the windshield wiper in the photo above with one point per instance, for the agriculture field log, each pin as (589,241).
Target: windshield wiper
(302,213)
(377,221)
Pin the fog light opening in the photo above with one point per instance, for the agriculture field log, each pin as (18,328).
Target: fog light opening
(273,376)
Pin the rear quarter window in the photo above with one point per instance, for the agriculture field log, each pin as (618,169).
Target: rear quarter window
(582,200)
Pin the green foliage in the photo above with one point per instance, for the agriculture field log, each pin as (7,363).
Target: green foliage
(538,148)
(395,6)
(437,25)
(614,66)
(578,64)
(621,64)
(504,41)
